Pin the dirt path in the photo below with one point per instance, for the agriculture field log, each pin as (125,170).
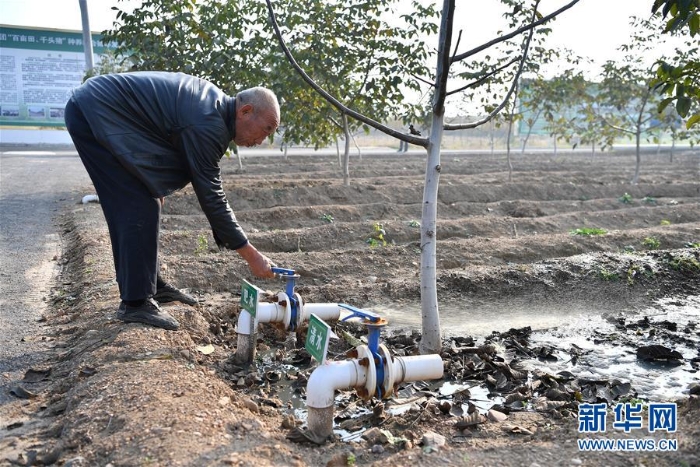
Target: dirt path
(31,197)
(123,395)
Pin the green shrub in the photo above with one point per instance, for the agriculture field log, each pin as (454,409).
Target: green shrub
(608,275)
(377,237)
(685,265)
(202,245)
(652,243)
(626,198)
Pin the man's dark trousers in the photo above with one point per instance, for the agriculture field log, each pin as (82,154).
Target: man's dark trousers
(131,211)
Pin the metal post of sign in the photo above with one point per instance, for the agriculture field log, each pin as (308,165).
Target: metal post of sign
(87,36)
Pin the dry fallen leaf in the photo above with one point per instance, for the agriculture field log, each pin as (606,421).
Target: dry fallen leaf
(206,349)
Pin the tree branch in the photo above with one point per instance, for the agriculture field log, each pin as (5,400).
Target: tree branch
(483,78)
(510,35)
(332,100)
(618,128)
(459,39)
(432,85)
(466,126)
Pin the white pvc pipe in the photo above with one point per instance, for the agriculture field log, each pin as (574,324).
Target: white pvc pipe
(245,347)
(325,311)
(267,312)
(270,313)
(274,313)
(244,322)
(417,368)
(320,392)
(324,380)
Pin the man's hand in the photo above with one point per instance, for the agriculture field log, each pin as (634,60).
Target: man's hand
(259,264)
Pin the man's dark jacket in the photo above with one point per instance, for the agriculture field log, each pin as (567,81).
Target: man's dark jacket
(168,130)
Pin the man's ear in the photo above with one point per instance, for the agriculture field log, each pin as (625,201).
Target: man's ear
(244,110)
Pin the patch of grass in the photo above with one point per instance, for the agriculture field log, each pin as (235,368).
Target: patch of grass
(413,223)
(588,231)
(327,217)
(626,198)
(377,237)
(202,245)
(652,243)
(685,265)
(665,222)
(692,245)
(608,275)
(649,200)
(635,271)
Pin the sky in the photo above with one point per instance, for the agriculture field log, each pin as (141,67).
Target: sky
(591,28)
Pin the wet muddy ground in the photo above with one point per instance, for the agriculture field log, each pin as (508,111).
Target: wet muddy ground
(540,313)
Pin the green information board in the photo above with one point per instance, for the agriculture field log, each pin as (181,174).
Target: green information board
(249,297)
(317,338)
(38,70)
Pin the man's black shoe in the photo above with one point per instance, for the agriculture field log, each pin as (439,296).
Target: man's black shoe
(147,313)
(168,293)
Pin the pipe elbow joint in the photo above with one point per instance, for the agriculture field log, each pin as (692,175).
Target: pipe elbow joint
(324,380)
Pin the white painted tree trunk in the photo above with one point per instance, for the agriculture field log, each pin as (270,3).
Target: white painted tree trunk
(359,151)
(238,156)
(638,158)
(337,150)
(508,160)
(431,341)
(673,147)
(346,154)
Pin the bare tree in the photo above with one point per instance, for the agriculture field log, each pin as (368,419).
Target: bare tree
(431,341)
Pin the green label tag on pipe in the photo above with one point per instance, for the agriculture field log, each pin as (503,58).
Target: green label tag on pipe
(317,338)
(249,297)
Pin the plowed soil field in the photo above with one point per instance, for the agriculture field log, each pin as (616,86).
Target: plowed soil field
(513,254)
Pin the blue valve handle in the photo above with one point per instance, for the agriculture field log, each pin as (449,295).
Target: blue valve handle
(373,333)
(283,271)
(291,276)
(360,313)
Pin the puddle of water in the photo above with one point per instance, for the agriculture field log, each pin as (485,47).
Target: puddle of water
(564,327)
(656,382)
(481,320)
